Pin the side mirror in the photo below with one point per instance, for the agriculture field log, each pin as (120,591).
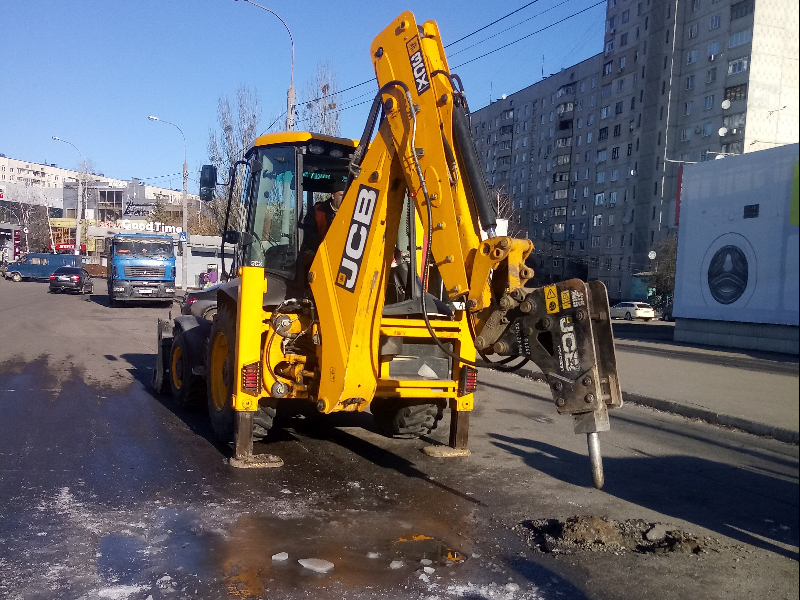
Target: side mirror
(231,237)
(208,181)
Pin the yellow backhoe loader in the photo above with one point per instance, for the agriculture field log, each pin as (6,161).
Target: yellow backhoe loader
(408,293)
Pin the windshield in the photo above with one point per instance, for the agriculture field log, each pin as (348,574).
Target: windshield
(140,247)
(272,210)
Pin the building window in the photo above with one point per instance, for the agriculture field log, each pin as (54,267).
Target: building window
(601,155)
(589,138)
(690,82)
(609,244)
(599,199)
(614,174)
(693,31)
(615,153)
(691,57)
(686,134)
(716,21)
(612,199)
(711,75)
(601,177)
(602,134)
(713,49)
(737,66)
(739,38)
(630,149)
(621,81)
(617,130)
(597,221)
(736,92)
(609,47)
(741,9)
(608,67)
(687,108)
(707,129)
(623,41)
(751,211)
(605,112)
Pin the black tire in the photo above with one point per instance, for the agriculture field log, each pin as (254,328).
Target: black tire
(186,388)
(406,418)
(220,366)
(628,316)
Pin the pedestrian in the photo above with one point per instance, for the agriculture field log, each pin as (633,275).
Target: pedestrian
(212,276)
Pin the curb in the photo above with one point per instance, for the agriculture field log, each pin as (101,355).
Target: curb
(779,433)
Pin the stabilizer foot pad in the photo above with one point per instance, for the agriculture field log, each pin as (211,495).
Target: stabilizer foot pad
(445,451)
(257,461)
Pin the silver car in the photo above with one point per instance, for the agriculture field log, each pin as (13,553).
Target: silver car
(632,310)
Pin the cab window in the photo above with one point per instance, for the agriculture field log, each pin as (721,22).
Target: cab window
(272,212)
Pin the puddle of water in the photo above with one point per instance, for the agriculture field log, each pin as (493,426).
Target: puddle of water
(344,538)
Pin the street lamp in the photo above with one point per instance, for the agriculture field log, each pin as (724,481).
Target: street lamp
(78,232)
(290,94)
(184,207)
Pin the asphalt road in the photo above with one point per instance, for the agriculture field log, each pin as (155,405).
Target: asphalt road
(109,491)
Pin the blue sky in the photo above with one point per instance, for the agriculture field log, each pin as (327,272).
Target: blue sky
(91,71)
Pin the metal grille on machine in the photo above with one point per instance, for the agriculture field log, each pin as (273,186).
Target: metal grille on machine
(145,271)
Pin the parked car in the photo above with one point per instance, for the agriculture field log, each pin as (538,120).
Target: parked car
(40,266)
(201,303)
(71,279)
(632,310)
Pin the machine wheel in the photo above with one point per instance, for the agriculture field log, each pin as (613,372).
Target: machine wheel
(221,366)
(628,316)
(16,277)
(187,388)
(209,314)
(404,418)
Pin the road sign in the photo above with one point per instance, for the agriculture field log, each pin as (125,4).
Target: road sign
(26,231)
(183,237)
(651,255)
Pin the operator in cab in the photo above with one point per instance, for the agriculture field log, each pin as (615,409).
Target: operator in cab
(317,221)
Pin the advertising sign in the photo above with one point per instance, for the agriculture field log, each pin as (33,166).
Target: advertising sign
(738,241)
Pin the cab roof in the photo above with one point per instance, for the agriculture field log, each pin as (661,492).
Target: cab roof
(296,137)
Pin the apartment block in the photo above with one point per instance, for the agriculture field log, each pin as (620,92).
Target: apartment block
(592,155)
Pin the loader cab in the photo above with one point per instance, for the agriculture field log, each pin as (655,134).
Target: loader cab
(285,175)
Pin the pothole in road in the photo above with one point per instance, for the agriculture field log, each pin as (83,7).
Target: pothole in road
(590,533)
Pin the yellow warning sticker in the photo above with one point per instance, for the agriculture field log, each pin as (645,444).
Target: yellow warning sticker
(565,301)
(551,299)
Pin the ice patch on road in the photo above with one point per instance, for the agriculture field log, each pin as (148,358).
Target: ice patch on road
(493,590)
(120,592)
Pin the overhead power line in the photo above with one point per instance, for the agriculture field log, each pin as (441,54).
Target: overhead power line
(501,32)
(490,24)
(531,34)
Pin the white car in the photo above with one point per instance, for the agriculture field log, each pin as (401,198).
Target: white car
(632,310)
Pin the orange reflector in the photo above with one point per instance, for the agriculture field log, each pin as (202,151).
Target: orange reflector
(251,379)
(469,380)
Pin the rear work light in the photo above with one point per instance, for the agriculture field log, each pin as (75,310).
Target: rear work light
(469,380)
(52,277)
(251,379)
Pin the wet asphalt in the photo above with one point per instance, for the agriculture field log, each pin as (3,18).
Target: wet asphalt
(110,491)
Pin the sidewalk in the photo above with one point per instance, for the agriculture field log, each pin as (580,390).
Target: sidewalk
(757,393)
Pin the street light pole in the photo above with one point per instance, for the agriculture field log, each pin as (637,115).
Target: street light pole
(290,94)
(78,232)
(184,208)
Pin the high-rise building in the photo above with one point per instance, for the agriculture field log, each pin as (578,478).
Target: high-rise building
(591,156)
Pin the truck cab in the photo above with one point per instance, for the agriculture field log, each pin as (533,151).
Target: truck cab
(141,267)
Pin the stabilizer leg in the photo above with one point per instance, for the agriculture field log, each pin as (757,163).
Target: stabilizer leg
(243,457)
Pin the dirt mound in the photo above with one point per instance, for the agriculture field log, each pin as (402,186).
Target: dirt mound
(589,533)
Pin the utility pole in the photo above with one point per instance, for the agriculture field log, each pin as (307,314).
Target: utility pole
(291,97)
(184,209)
(78,232)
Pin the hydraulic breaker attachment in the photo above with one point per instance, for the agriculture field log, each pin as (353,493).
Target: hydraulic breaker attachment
(564,328)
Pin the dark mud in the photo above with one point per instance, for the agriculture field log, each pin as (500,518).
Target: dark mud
(596,534)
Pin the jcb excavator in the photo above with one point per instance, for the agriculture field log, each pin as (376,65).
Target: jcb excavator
(409,284)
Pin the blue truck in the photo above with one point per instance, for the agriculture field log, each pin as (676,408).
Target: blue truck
(141,267)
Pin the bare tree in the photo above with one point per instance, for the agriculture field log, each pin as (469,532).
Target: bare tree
(662,278)
(30,209)
(503,204)
(237,130)
(320,113)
